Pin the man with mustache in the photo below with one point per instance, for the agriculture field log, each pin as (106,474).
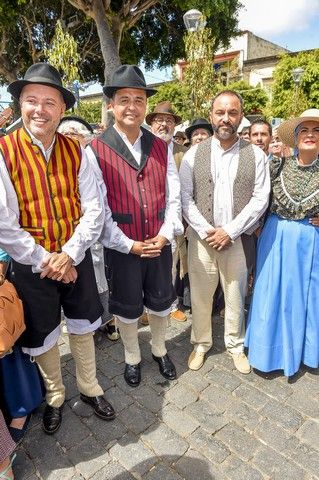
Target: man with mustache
(225,188)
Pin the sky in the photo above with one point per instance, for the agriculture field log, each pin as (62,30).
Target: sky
(293,24)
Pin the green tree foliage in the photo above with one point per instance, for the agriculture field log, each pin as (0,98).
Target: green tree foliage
(159,34)
(27,28)
(90,111)
(287,99)
(199,73)
(63,54)
(178,94)
(255,98)
(149,31)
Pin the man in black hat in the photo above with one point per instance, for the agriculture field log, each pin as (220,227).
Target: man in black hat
(51,213)
(142,216)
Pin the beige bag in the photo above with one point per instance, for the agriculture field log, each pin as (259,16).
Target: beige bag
(11,317)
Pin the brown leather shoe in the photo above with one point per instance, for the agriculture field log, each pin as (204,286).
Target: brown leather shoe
(178,316)
(144,319)
(101,407)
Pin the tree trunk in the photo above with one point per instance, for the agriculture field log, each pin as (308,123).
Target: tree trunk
(108,48)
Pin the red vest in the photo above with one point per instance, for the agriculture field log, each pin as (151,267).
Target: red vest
(135,193)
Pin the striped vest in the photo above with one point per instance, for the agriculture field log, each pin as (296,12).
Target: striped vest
(135,193)
(47,192)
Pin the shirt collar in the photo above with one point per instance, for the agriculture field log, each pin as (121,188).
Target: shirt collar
(39,144)
(217,143)
(124,136)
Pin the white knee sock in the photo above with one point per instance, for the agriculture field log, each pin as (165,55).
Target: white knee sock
(158,327)
(129,336)
(49,364)
(83,351)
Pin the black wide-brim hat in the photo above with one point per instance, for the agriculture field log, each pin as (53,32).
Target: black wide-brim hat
(75,118)
(43,74)
(198,123)
(127,76)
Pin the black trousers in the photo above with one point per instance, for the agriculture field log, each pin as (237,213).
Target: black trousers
(135,282)
(43,298)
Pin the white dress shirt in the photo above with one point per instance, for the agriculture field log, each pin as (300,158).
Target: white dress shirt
(112,236)
(20,244)
(224,170)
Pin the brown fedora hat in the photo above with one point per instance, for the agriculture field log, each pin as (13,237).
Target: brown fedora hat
(44,74)
(286,130)
(163,108)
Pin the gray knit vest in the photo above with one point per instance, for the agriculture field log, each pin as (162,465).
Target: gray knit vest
(204,184)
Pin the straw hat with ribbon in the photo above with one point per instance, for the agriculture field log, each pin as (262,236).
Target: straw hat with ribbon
(287,129)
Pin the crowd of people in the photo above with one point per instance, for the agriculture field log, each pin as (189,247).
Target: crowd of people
(103,227)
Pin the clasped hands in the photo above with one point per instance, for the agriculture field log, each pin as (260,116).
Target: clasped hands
(218,239)
(59,266)
(150,248)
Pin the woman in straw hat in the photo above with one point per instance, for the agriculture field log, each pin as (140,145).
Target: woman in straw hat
(283,328)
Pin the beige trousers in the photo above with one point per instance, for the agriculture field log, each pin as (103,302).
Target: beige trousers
(206,267)
(83,352)
(129,336)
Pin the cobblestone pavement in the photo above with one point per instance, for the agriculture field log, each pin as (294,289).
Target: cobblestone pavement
(210,424)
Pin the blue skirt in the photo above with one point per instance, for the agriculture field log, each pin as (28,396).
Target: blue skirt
(283,322)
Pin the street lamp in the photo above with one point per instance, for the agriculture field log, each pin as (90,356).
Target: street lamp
(297,74)
(194,20)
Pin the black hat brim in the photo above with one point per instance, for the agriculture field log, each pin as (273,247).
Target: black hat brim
(190,130)
(16,87)
(109,91)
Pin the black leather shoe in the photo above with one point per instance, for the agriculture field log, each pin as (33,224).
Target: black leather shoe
(52,418)
(132,374)
(102,408)
(166,367)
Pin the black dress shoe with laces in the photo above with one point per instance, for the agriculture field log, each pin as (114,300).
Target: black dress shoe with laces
(52,418)
(101,407)
(132,374)
(166,367)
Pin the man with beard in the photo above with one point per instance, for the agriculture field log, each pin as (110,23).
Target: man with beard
(163,121)
(225,188)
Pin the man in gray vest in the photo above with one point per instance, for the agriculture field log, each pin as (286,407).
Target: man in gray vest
(225,189)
